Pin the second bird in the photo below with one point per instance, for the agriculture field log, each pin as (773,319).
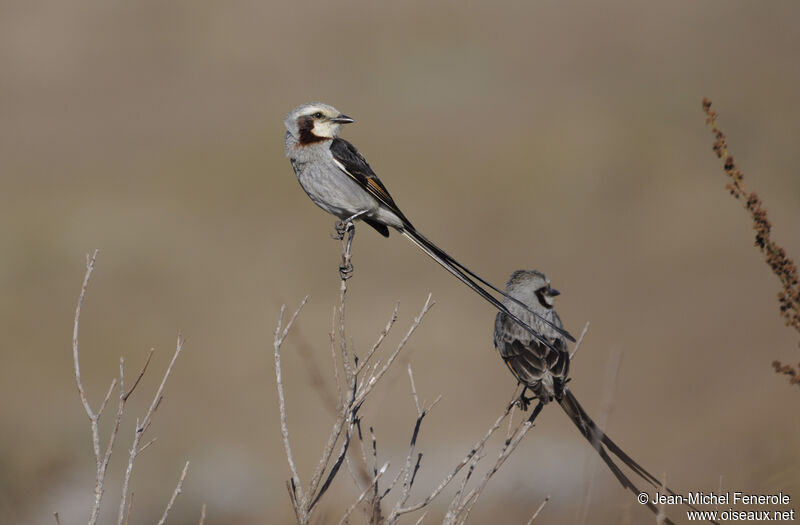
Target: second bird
(543,369)
(337,177)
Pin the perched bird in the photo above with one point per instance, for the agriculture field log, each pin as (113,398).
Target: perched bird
(336,176)
(543,368)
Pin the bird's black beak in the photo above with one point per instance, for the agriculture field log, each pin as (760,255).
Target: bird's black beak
(553,292)
(342,119)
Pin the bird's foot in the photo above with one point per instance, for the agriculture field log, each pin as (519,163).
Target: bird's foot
(346,271)
(523,402)
(341,228)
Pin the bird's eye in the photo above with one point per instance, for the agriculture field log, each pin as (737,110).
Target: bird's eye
(317,115)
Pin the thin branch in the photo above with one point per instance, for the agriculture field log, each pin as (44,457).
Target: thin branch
(536,514)
(130,507)
(347,239)
(414,390)
(279,338)
(143,425)
(202,515)
(102,460)
(513,407)
(340,399)
(505,452)
(457,501)
(108,396)
(476,448)
(93,417)
(580,340)
(332,473)
(367,386)
(352,507)
(380,339)
(346,418)
(175,495)
(127,394)
(408,476)
(360,393)
(377,514)
(146,445)
(90,260)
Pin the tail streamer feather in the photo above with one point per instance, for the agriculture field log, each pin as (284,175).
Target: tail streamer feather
(466,276)
(603,444)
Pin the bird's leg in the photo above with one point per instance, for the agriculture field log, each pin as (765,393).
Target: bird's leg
(536,410)
(523,402)
(346,268)
(340,228)
(343,226)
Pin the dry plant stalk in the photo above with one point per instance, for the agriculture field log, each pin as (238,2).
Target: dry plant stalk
(355,380)
(102,458)
(776,258)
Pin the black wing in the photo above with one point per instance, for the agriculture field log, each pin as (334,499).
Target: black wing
(529,360)
(353,163)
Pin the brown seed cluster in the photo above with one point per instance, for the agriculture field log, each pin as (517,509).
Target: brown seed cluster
(778,261)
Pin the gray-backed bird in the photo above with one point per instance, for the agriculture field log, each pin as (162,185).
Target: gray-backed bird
(336,176)
(543,368)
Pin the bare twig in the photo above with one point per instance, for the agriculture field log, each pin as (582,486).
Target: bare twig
(476,448)
(127,394)
(354,384)
(102,459)
(94,418)
(505,452)
(536,514)
(380,339)
(580,340)
(202,515)
(336,361)
(374,500)
(352,507)
(408,474)
(143,425)
(90,260)
(414,390)
(357,393)
(347,240)
(130,507)
(280,336)
(177,491)
(369,384)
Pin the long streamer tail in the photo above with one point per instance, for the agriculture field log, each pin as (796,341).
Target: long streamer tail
(603,444)
(466,276)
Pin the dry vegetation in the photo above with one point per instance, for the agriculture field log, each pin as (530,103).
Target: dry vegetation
(356,378)
(103,457)
(774,254)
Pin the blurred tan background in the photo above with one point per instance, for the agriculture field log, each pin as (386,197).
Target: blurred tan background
(565,137)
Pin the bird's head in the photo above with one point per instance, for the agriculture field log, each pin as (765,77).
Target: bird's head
(315,122)
(531,285)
